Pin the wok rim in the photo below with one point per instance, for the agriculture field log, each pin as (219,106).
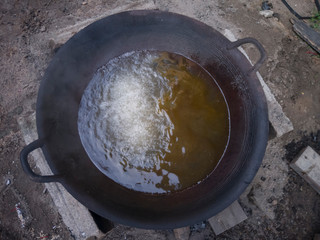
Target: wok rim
(243,178)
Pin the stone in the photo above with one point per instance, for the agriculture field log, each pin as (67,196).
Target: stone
(43,29)
(8,182)
(228,218)
(307,165)
(266,13)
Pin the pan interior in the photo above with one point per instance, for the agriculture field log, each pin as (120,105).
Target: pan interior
(154,122)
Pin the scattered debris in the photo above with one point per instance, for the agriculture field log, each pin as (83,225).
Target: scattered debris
(307,165)
(20,215)
(32,21)
(8,182)
(198,226)
(265,5)
(266,10)
(84,3)
(276,16)
(295,147)
(42,236)
(228,218)
(57,237)
(4,186)
(54,227)
(266,13)
(43,29)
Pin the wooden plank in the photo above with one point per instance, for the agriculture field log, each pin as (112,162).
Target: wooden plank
(309,35)
(228,218)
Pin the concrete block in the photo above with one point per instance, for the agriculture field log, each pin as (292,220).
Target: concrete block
(278,119)
(74,215)
(182,233)
(228,218)
(307,165)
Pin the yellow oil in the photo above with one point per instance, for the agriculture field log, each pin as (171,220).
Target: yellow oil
(154,122)
(199,113)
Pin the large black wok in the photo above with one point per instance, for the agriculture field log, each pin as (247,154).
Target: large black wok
(70,72)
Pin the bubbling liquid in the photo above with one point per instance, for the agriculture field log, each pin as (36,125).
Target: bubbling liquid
(153,121)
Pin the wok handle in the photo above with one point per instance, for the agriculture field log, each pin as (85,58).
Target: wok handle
(263,55)
(26,167)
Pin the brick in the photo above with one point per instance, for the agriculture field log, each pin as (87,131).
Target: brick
(228,218)
(307,165)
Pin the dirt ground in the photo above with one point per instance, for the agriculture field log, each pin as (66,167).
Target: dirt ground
(279,203)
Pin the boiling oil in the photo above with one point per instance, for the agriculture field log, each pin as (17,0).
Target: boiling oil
(154,122)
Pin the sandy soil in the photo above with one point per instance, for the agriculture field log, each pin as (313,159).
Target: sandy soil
(279,204)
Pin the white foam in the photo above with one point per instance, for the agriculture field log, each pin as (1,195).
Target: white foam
(120,113)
